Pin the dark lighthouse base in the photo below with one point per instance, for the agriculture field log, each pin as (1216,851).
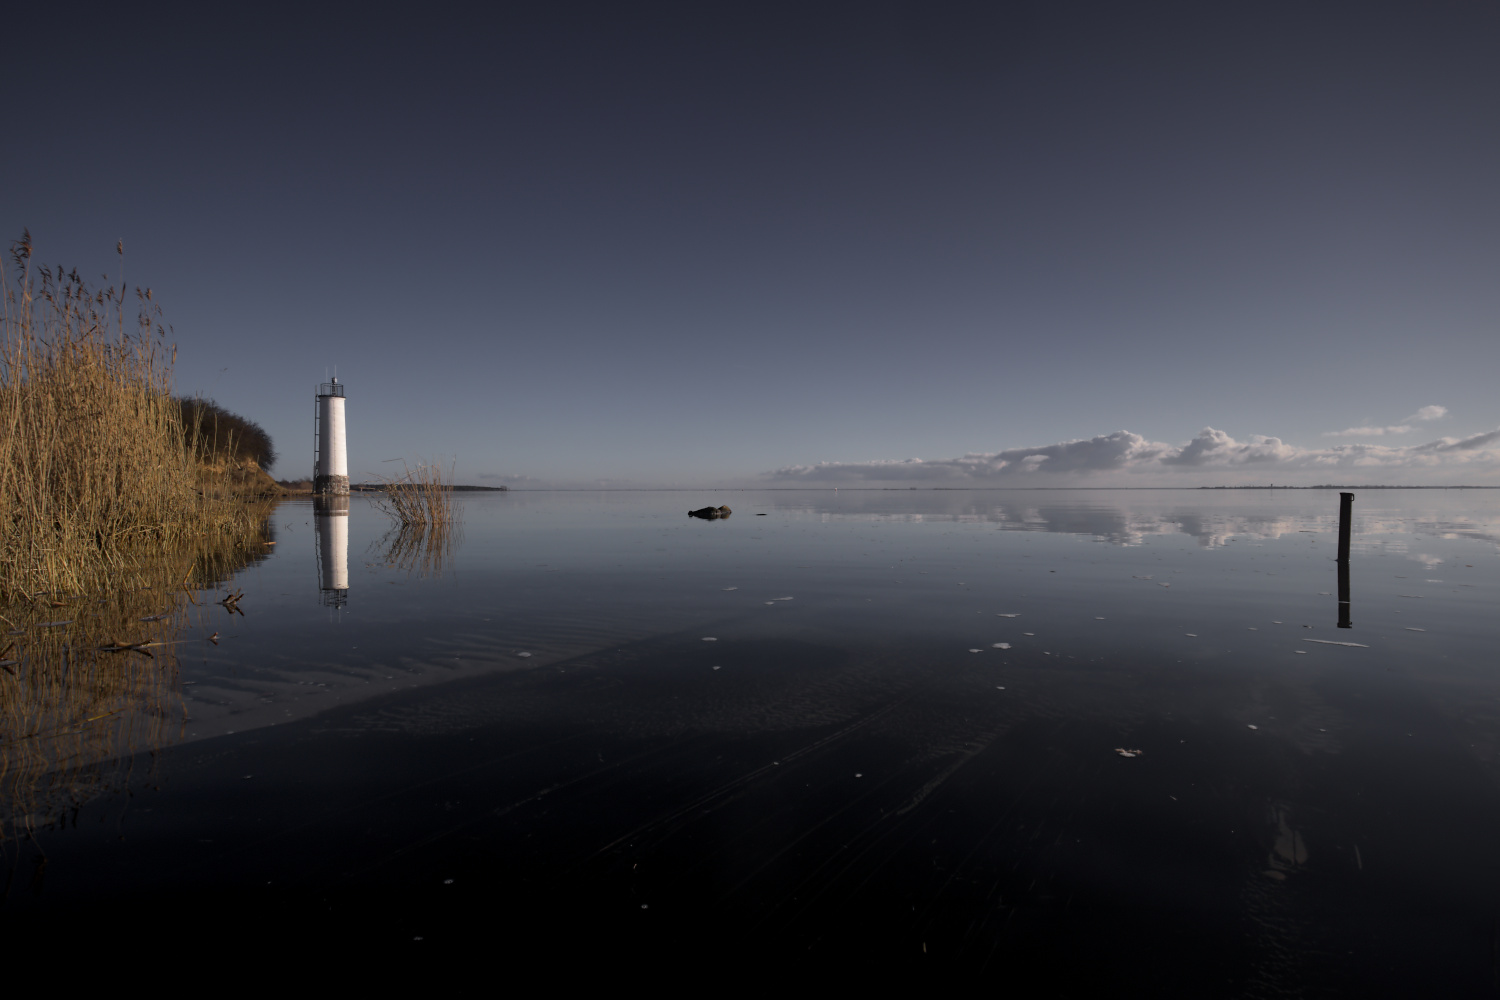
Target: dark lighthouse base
(336,485)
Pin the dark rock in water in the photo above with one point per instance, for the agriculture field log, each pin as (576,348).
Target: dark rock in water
(709,513)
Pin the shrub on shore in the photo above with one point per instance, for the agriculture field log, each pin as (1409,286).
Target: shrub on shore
(221,436)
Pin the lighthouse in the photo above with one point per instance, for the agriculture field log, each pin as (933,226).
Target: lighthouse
(330,457)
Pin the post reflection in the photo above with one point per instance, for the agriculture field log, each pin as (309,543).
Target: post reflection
(331,519)
(1344,621)
(1346,505)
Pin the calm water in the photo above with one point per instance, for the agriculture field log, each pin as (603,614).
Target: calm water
(858,730)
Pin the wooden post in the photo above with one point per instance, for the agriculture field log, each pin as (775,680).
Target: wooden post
(1346,508)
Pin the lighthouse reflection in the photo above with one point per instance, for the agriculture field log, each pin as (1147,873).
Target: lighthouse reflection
(331,519)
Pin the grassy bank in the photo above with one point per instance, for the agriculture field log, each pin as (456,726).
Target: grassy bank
(117,503)
(97,467)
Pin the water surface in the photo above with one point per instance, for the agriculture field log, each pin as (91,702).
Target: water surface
(874,730)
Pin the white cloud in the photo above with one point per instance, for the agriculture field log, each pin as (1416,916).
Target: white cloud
(1473,443)
(1124,451)
(1405,427)
(1119,450)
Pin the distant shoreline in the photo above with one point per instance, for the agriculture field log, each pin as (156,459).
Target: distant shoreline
(936,489)
(295,490)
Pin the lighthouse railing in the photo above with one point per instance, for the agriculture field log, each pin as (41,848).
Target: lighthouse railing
(317,456)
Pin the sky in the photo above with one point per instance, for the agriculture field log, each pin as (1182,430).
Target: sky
(799,244)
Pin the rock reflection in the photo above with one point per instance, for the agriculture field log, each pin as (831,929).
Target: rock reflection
(331,521)
(87,680)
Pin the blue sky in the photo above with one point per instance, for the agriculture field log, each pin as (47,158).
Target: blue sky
(692,244)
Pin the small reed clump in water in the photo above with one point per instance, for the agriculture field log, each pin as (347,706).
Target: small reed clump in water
(427,530)
(421,495)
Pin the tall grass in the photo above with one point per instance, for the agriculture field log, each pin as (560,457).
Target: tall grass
(108,519)
(94,459)
(420,495)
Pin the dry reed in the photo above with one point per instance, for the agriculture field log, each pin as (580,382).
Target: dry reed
(428,527)
(421,495)
(108,518)
(93,456)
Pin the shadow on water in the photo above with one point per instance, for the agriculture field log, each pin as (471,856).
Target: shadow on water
(87,680)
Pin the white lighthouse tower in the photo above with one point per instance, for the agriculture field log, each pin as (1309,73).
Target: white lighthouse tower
(330,457)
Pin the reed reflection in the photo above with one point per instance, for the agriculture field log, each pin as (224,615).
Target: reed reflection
(424,551)
(88,680)
(1346,519)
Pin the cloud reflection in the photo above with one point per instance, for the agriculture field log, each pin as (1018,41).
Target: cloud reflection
(1212,518)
